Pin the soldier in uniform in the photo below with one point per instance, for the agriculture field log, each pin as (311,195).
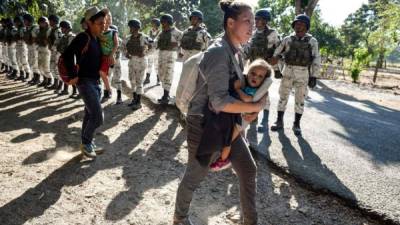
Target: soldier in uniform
(152,54)
(167,42)
(42,41)
(2,39)
(54,38)
(62,44)
(137,44)
(30,33)
(11,36)
(302,67)
(196,38)
(22,50)
(115,70)
(262,45)
(6,61)
(2,60)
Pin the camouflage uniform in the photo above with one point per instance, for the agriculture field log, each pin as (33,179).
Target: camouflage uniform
(29,37)
(302,60)
(194,40)
(22,51)
(136,48)
(115,72)
(152,55)
(2,38)
(44,52)
(54,38)
(11,44)
(167,55)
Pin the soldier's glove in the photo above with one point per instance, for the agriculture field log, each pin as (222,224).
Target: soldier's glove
(312,82)
(278,74)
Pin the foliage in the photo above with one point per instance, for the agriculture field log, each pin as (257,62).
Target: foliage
(214,17)
(362,59)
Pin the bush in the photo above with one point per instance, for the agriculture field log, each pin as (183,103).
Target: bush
(355,71)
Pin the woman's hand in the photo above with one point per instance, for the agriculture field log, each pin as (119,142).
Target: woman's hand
(261,103)
(250,117)
(73,81)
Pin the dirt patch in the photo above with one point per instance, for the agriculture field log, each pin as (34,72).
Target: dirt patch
(45,180)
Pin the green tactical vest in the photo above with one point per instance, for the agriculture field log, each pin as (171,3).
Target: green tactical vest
(20,34)
(2,35)
(52,36)
(64,42)
(259,46)
(164,41)
(28,37)
(10,32)
(300,52)
(133,46)
(189,40)
(42,38)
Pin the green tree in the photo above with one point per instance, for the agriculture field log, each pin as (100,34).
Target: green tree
(213,17)
(385,38)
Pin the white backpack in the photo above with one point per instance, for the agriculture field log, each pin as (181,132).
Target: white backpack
(186,89)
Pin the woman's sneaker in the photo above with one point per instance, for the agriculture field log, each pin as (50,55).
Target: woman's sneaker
(220,165)
(87,150)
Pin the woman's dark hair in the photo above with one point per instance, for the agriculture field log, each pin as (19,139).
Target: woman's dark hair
(232,9)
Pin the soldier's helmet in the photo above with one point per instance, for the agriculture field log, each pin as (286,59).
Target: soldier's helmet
(167,18)
(156,21)
(198,14)
(8,22)
(135,23)
(43,19)
(302,18)
(54,18)
(65,24)
(28,17)
(18,20)
(264,14)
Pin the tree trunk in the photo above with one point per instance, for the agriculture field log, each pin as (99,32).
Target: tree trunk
(378,65)
(306,9)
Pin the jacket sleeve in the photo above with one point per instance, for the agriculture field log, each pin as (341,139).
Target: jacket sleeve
(72,53)
(216,69)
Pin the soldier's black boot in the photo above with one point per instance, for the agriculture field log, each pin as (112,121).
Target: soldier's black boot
(138,104)
(279,122)
(65,90)
(296,124)
(134,99)
(36,79)
(59,85)
(119,97)
(147,80)
(74,92)
(49,83)
(54,84)
(26,76)
(13,74)
(263,127)
(44,82)
(3,68)
(165,98)
(158,79)
(21,76)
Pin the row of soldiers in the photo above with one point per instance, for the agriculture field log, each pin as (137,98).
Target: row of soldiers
(31,49)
